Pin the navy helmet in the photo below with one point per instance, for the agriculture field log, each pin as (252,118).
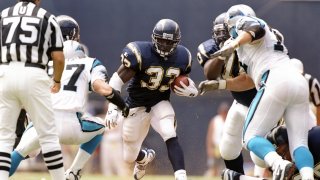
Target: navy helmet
(69,27)
(166,36)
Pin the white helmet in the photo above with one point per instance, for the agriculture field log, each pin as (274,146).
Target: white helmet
(235,12)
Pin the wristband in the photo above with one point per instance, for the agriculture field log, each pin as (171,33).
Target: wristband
(222,84)
(58,82)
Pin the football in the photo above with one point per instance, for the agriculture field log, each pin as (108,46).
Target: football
(177,80)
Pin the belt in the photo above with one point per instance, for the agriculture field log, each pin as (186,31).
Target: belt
(27,64)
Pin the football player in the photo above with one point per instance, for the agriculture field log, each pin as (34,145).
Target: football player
(151,67)
(231,142)
(279,138)
(82,74)
(266,60)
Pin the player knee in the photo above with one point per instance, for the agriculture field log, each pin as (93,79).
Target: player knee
(230,147)
(168,134)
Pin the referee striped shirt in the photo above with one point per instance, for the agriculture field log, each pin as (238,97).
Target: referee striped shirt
(28,34)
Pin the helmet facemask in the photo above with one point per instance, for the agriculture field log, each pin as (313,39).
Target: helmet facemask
(163,46)
(166,36)
(220,33)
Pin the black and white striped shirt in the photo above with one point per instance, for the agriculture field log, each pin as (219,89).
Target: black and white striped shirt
(28,34)
(314,88)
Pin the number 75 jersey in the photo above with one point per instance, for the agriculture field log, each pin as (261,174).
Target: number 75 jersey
(76,83)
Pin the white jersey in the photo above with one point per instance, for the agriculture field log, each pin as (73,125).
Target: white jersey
(260,55)
(76,80)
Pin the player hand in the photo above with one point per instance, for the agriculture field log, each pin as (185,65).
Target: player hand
(226,50)
(55,88)
(211,85)
(112,116)
(189,91)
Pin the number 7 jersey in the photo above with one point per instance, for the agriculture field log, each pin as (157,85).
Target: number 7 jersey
(76,81)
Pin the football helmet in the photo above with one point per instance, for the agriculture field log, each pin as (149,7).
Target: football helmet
(219,31)
(69,27)
(166,36)
(234,13)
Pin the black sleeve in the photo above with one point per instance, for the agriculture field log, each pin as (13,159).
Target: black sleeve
(116,99)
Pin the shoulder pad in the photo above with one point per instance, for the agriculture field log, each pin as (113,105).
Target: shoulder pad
(205,49)
(131,56)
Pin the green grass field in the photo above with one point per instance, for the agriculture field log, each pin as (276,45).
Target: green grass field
(45,176)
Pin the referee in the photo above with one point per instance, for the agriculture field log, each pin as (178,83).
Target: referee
(29,37)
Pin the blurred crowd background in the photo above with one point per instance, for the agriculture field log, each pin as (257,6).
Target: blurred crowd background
(108,25)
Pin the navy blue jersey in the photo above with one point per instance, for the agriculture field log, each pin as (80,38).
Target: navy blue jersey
(209,47)
(154,74)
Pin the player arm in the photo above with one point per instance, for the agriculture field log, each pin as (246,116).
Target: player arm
(213,68)
(100,86)
(240,83)
(58,65)
(249,31)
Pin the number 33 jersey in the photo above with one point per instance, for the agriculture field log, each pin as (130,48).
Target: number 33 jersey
(76,82)
(154,74)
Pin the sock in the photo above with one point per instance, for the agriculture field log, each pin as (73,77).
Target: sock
(54,162)
(16,158)
(235,164)
(260,146)
(303,157)
(85,152)
(4,165)
(306,173)
(91,145)
(271,158)
(175,154)
(80,160)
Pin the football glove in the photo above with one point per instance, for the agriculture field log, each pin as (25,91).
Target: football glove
(112,116)
(211,85)
(188,91)
(226,50)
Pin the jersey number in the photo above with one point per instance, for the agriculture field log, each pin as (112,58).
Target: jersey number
(71,84)
(156,75)
(25,29)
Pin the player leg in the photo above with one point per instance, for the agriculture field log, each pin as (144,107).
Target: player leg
(87,131)
(39,107)
(163,122)
(296,119)
(29,143)
(231,142)
(265,111)
(135,130)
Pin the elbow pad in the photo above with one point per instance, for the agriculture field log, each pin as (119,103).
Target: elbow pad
(116,82)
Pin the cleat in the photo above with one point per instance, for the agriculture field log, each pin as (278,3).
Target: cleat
(284,170)
(228,174)
(71,175)
(140,168)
